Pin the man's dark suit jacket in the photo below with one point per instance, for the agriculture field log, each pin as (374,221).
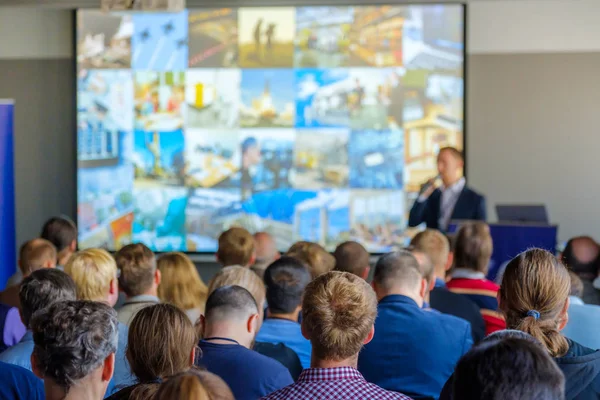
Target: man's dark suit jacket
(446,302)
(469,206)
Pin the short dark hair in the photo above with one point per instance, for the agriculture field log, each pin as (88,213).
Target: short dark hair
(137,264)
(351,257)
(508,368)
(473,246)
(286,280)
(230,302)
(72,339)
(400,267)
(60,231)
(43,288)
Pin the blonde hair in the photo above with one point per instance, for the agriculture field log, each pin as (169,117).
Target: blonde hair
(534,291)
(243,277)
(236,247)
(92,270)
(338,311)
(435,245)
(34,254)
(160,342)
(181,284)
(317,259)
(473,246)
(194,385)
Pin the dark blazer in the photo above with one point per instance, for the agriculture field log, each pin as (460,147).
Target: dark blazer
(460,306)
(469,206)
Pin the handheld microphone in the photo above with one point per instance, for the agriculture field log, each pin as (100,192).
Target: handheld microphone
(430,183)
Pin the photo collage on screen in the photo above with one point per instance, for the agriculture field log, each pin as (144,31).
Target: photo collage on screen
(310,123)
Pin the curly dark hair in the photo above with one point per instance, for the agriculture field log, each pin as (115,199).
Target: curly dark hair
(72,339)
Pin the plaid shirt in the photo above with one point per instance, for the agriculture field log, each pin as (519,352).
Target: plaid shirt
(334,384)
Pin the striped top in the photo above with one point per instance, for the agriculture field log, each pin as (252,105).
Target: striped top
(483,293)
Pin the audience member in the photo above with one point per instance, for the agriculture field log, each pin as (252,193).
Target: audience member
(12,329)
(584,319)
(338,315)
(352,257)
(426,269)
(414,350)
(472,253)
(161,343)
(19,383)
(62,233)
(74,352)
(436,245)
(236,247)
(286,279)
(194,385)
(534,297)
(247,279)
(266,252)
(230,325)
(139,279)
(33,255)
(503,369)
(582,256)
(37,291)
(95,274)
(316,258)
(181,284)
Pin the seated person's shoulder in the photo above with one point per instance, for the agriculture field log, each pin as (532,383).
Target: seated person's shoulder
(19,383)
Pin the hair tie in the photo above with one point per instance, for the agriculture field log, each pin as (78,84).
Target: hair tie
(533,313)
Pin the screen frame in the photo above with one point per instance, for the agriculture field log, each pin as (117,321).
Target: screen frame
(199,4)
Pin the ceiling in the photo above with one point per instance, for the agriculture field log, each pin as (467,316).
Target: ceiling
(221,3)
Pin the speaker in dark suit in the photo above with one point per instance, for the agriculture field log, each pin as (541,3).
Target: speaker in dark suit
(436,207)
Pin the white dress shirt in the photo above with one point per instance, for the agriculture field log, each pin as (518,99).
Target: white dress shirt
(449,198)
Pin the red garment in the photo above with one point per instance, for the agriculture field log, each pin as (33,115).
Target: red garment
(342,383)
(483,293)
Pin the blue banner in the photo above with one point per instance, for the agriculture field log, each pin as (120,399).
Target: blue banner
(8,257)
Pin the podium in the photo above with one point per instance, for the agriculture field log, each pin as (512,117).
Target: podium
(510,239)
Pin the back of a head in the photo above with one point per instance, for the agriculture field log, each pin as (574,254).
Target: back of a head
(61,232)
(180,283)
(236,247)
(351,257)
(582,255)
(194,385)
(36,254)
(397,270)
(160,341)
(138,266)
(473,246)
(230,303)
(92,270)
(266,250)
(72,339)
(576,285)
(338,312)
(42,289)
(286,280)
(433,243)
(533,297)
(508,368)
(425,264)
(318,260)
(242,277)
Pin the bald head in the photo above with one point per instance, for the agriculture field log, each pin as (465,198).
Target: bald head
(352,257)
(37,254)
(266,251)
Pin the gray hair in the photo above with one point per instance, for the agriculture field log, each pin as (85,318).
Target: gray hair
(399,268)
(72,339)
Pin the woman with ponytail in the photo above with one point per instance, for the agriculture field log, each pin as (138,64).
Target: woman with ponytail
(534,298)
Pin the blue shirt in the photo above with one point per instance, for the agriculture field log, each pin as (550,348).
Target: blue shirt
(584,323)
(249,375)
(122,376)
(20,353)
(277,330)
(18,383)
(414,351)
